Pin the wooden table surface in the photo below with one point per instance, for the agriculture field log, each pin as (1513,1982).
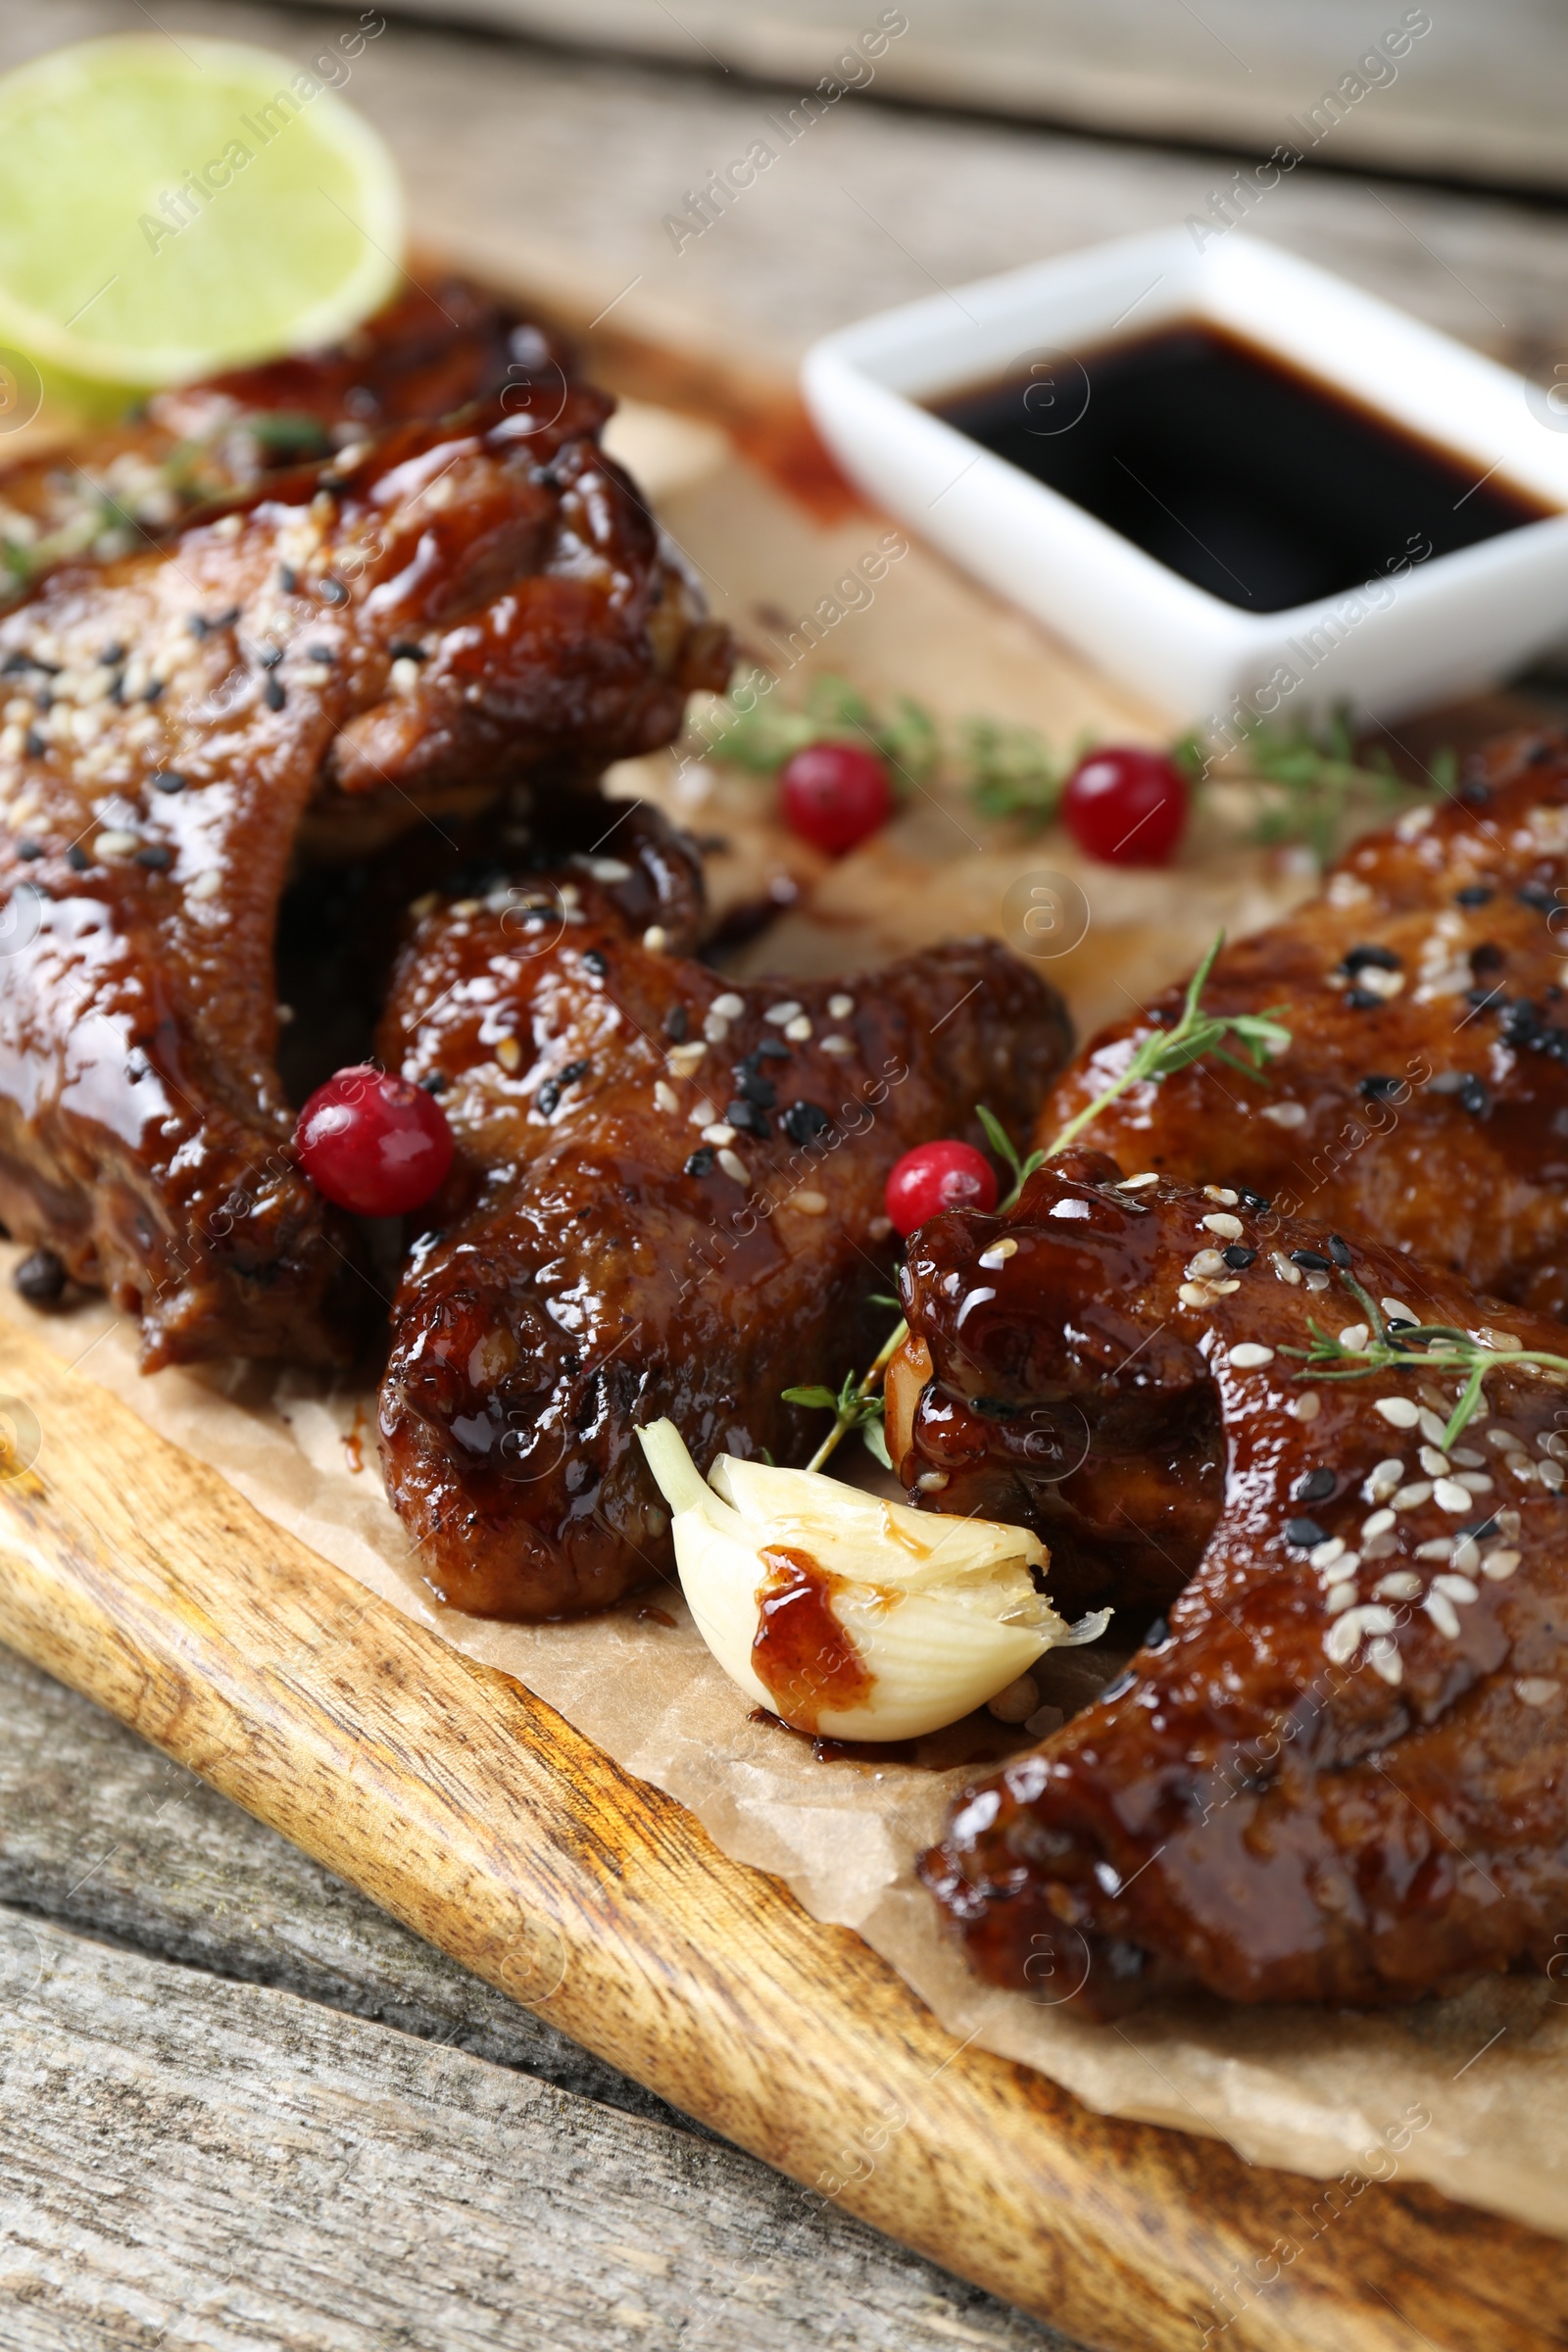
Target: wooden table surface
(239,2107)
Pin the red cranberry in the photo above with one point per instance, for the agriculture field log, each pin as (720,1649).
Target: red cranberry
(937,1176)
(834,796)
(1126,807)
(373,1143)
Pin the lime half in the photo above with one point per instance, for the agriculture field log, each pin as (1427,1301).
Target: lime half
(170,211)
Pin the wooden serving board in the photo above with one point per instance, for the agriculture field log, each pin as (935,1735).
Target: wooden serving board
(473,1813)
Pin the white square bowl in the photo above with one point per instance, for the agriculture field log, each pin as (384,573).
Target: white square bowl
(1446,628)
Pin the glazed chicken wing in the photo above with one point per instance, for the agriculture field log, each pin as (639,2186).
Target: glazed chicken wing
(1340,1772)
(668,1202)
(443,610)
(1424,1096)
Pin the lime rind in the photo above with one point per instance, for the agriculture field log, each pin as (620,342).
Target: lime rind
(158,262)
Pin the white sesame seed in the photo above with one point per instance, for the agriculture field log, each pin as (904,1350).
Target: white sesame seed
(1550,1475)
(1286,1114)
(1250,1356)
(405,675)
(1467,1457)
(703,1114)
(1283,1271)
(798,1030)
(720,1131)
(1503,1341)
(1449,1495)
(1402,1411)
(840,1006)
(879,1228)
(1337,1597)
(716,1028)
(1206,1262)
(1443,1613)
(1414,823)
(1380,983)
(1222,1194)
(1345,1635)
(1434,1461)
(1433,1426)
(115,845)
(1476,1481)
(682,1061)
(1535,1690)
(1378,1547)
(932,1482)
(1523,1468)
(207,885)
(1549,1441)
(1355,1336)
(1306,1407)
(1196,1293)
(1138,1184)
(1508,1524)
(569,895)
(1398,1310)
(1402,1584)
(1326,1553)
(1383,1659)
(1314,1280)
(1228,1228)
(729,1007)
(664,1095)
(607,869)
(1223,1290)
(1466,1556)
(733,1165)
(1412,1497)
(1438,1548)
(837,1045)
(1378,1524)
(1499,1566)
(1457,1588)
(508,1053)
(778,1014)
(463,909)
(811,1203)
(999,1253)
(656,939)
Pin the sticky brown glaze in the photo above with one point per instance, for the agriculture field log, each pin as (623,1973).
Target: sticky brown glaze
(432,349)
(598,1265)
(458,602)
(1424,1096)
(1313,1784)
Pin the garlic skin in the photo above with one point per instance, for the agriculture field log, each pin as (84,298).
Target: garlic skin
(941,1613)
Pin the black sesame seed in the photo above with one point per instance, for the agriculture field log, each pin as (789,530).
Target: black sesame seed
(1123,1683)
(594,962)
(332,590)
(1474,794)
(288,579)
(1253,1200)
(34,744)
(167,779)
(1475,894)
(78,858)
(14,663)
(805,1122)
(1539,895)
(754,1086)
(1237,1257)
(152,691)
(40,1278)
(226,620)
(273,694)
(1477,997)
(1481,1529)
(332,482)
(1305,1533)
(404,650)
(676,1023)
(771,1049)
(269,657)
(112,654)
(29,849)
(1339,1250)
(198,625)
(1540,755)
(749,1118)
(701,1163)
(1475,1097)
(44,698)
(320,652)
(574,1071)
(1381,1090)
(1358,959)
(1486,957)
(1158,1636)
(1362,999)
(156,856)
(116,689)
(435,1082)
(1311,1259)
(1314,1486)
(548,1097)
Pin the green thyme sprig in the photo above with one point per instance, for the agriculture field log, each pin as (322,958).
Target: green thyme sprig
(1196,1033)
(1322,786)
(1415,1347)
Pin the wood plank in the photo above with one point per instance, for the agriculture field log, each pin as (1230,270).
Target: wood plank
(252,2173)
(474,1815)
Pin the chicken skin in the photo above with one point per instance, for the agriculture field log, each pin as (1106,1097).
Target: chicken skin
(667,1200)
(435,614)
(1424,1097)
(1340,1771)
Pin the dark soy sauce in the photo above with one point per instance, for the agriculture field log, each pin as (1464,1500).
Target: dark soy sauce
(1267,487)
